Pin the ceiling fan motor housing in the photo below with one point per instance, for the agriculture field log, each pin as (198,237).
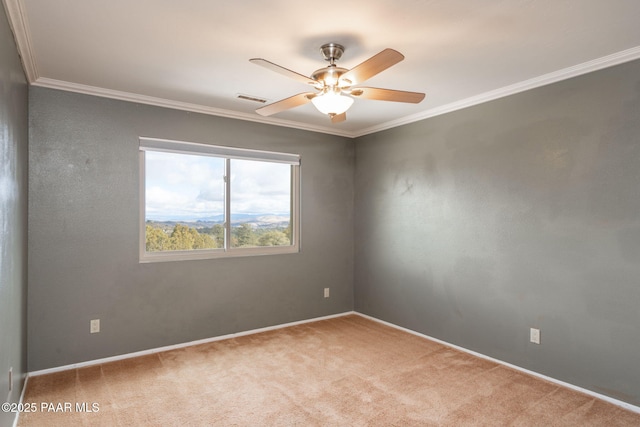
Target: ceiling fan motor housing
(329,75)
(332,51)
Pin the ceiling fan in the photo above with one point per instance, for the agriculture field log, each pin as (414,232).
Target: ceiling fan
(335,85)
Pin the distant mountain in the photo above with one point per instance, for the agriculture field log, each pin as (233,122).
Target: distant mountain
(256,220)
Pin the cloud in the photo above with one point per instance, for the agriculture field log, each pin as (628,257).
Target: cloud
(163,203)
(181,185)
(260,187)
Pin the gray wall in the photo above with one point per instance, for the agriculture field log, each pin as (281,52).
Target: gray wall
(523,212)
(83,235)
(13,223)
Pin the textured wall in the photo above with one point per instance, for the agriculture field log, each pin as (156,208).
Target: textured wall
(83,235)
(523,212)
(13,218)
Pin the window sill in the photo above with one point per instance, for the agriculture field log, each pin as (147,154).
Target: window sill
(149,257)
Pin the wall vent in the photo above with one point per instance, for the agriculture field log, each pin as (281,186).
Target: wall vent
(251,98)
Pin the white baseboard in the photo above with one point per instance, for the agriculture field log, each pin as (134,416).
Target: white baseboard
(609,399)
(21,400)
(182,345)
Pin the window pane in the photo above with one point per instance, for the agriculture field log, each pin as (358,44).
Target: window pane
(260,204)
(184,202)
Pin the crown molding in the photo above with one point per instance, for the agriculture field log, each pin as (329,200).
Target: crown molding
(543,80)
(178,105)
(20,28)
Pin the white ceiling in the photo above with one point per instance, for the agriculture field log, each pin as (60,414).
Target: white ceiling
(194,54)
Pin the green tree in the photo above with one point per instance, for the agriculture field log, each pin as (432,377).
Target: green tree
(244,235)
(186,238)
(181,238)
(274,238)
(202,241)
(218,234)
(156,239)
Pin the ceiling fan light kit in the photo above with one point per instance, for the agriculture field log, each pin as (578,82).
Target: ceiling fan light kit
(335,84)
(332,102)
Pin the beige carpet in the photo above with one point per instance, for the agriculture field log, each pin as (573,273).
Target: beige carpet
(347,371)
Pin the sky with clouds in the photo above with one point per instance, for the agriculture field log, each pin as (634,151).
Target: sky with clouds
(183,186)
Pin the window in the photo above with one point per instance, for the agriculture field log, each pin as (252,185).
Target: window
(204,201)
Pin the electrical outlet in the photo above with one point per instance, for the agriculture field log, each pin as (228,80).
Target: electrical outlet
(326,292)
(534,335)
(95,326)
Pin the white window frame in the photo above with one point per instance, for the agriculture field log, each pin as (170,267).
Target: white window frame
(227,153)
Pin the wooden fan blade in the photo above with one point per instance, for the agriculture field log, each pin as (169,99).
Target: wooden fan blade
(387,94)
(285,104)
(339,118)
(372,66)
(284,71)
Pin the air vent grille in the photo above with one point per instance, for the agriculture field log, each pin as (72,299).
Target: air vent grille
(251,98)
